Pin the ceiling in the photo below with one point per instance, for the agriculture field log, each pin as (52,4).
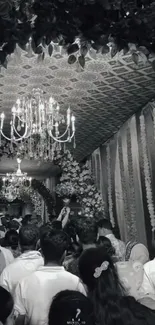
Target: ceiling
(37,169)
(102,97)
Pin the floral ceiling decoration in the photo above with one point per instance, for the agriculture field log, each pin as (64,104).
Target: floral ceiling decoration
(78,26)
(77,180)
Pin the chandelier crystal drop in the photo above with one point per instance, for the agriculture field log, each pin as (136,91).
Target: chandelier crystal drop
(37,115)
(14,182)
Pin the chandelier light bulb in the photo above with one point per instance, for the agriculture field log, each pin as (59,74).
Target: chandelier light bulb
(2,116)
(14,182)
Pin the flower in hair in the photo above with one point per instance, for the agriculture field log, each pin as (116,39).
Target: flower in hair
(99,270)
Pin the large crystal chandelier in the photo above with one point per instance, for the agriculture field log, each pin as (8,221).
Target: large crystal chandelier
(36,115)
(13,183)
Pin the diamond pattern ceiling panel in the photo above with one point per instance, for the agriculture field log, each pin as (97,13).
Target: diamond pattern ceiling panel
(102,97)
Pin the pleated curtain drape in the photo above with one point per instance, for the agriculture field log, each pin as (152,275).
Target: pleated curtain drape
(124,171)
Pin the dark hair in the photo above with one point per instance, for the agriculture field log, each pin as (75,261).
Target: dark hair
(13,224)
(44,229)
(110,304)
(26,219)
(106,245)
(87,231)
(104,223)
(53,244)
(65,307)
(6,303)
(57,224)
(11,239)
(28,237)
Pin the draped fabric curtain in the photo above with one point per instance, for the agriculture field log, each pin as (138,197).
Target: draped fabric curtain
(124,170)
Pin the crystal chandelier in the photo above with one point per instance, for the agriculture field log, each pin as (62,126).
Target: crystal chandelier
(14,182)
(36,115)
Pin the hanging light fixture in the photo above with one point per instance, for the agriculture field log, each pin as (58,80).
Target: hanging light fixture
(14,182)
(37,115)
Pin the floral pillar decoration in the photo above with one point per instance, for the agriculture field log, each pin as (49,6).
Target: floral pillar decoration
(110,203)
(147,176)
(77,180)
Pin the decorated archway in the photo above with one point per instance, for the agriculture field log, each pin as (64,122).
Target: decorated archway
(34,195)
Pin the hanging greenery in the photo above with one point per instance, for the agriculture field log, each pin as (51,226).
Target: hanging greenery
(45,194)
(78,26)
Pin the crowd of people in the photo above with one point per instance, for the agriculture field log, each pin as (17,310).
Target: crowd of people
(56,275)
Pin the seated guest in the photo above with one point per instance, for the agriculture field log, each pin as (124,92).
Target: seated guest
(71,307)
(107,246)
(136,252)
(11,242)
(26,263)
(148,284)
(87,234)
(6,307)
(105,229)
(111,305)
(33,294)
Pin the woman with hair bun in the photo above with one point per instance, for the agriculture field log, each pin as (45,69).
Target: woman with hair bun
(111,304)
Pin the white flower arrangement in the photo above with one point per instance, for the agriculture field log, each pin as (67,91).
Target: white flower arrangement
(78,180)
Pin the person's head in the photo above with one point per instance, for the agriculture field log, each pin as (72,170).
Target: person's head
(57,224)
(5,222)
(6,303)
(11,239)
(71,306)
(28,237)
(13,224)
(104,227)
(87,233)
(44,229)
(137,252)
(54,244)
(106,244)
(94,260)
(27,219)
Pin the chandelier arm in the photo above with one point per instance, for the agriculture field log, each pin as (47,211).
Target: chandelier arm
(59,137)
(63,141)
(24,136)
(19,118)
(20,137)
(9,139)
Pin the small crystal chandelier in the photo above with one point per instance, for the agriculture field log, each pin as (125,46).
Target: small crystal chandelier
(37,115)
(14,182)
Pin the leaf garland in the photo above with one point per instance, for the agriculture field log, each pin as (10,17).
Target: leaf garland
(45,193)
(77,26)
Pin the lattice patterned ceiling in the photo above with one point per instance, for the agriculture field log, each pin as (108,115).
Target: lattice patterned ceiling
(102,97)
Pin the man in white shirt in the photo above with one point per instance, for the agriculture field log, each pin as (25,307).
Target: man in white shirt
(34,294)
(26,263)
(105,229)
